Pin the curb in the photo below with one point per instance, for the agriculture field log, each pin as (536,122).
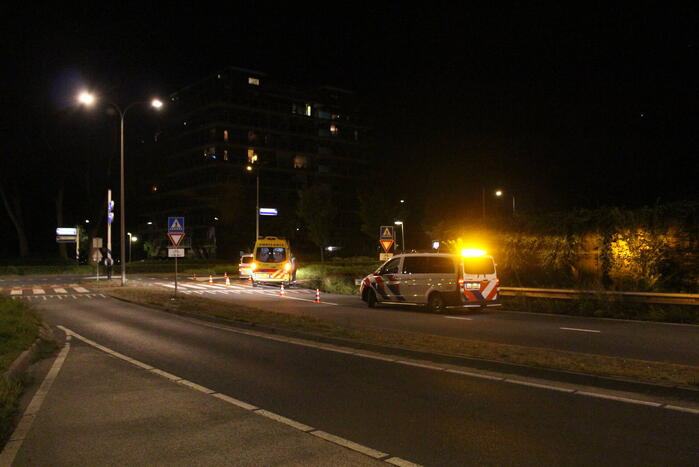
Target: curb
(684,392)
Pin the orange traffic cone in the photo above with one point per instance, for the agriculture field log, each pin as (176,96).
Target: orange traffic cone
(281,291)
(211,279)
(317,300)
(228,281)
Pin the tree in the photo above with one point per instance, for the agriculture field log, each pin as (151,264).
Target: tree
(316,210)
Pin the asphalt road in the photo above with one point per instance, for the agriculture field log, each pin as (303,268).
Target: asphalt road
(664,342)
(428,417)
(631,339)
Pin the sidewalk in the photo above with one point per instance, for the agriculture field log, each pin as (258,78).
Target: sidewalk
(105,411)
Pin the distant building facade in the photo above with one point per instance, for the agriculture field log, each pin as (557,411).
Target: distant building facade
(221,134)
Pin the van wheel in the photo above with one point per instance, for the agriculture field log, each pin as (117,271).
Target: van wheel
(371,299)
(435,303)
(253,283)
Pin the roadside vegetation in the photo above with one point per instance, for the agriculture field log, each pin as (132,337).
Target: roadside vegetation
(637,370)
(19,328)
(337,275)
(605,307)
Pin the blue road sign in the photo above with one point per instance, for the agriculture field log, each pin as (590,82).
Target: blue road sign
(175,225)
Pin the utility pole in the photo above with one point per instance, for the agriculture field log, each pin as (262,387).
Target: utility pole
(110,218)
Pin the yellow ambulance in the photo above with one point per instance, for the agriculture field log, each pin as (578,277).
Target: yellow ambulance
(273,261)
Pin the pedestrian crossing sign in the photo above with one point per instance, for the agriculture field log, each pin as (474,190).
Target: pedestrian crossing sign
(386,232)
(175,225)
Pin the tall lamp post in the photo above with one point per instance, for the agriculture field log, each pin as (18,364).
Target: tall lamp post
(402,234)
(132,239)
(499,194)
(257,202)
(89,99)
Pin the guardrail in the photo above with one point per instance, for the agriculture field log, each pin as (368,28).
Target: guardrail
(569,294)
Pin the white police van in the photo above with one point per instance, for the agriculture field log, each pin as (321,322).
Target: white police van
(437,280)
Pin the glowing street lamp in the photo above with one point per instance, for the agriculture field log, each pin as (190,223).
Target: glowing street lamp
(499,194)
(402,234)
(87,98)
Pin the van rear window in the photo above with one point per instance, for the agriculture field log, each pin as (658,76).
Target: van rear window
(271,255)
(478,266)
(247,259)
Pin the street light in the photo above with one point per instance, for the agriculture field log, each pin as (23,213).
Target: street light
(89,99)
(402,234)
(499,194)
(132,239)
(257,202)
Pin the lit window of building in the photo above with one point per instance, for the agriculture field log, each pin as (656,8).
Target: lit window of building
(225,135)
(333,129)
(252,157)
(300,162)
(309,110)
(253,81)
(225,154)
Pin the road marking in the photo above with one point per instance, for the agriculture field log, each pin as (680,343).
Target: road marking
(38,291)
(231,400)
(80,290)
(618,398)
(400,462)
(350,444)
(196,386)
(367,451)
(8,454)
(538,385)
(581,330)
(682,409)
(59,290)
(421,365)
(16,292)
(284,420)
(459,317)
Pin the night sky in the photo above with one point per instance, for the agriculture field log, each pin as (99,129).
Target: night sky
(564,107)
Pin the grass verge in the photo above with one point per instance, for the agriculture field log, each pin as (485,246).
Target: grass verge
(599,365)
(336,276)
(19,327)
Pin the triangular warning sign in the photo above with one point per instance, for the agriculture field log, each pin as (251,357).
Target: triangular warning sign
(175,225)
(175,238)
(387,233)
(386,245)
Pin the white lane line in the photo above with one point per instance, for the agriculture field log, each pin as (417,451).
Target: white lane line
(400,462)
(475,374)
(459,317)
(264,413)
(350,444)
(80,289)
(581,330)
(38,291)
(7,456)
(166,285)
(682,409)
(59,290)
(421,365)
(617,398)
(196,386)
(16,292)
(538,385)
(236,402)
(284,420)
(312,301)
